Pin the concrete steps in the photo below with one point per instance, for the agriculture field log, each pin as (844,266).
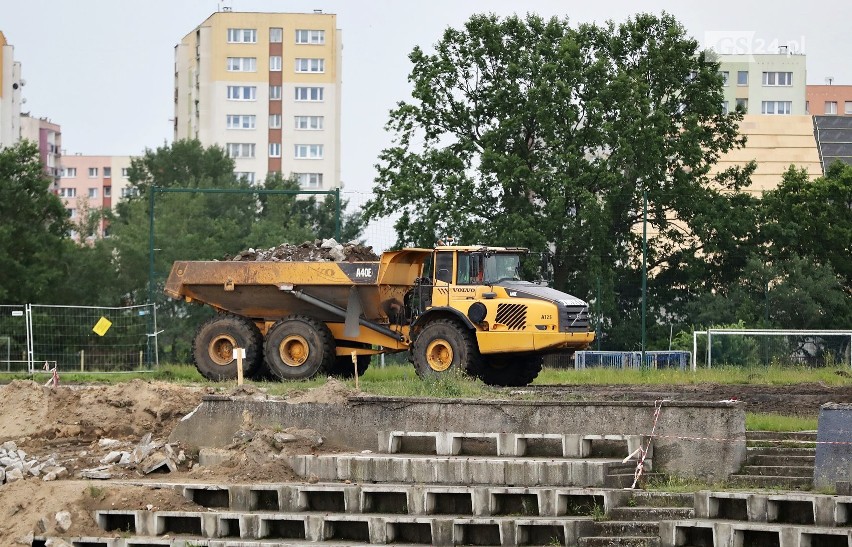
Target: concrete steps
(778,460)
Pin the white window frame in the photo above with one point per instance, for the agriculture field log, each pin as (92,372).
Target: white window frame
(275,121)
(68,192)
(314,94)
(238,92)
(847,107)
(740,73)
(242,35)
(247,176)
(776,107)
(726,76)
(275,92)
(311,65)
(125,172)
(275,150)
(831,108)
(777,79)
(275,63)
(69,172)
(309,180)
(241,64)
(72,213)
(93,172)
(129,191)
(276,35)
(724,107)
(310,36)
(308,151)
(241,122)
(93,193)
(241,150)
(743,102)
(309,123)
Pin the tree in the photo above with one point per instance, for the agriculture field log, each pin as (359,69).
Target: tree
(530,132)
(34,228)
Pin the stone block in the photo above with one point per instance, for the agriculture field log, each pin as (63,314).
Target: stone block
(833,462)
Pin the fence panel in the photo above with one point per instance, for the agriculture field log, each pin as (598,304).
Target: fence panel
(85,338)
(632,359)
(13,339)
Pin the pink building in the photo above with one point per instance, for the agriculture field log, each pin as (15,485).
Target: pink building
(90,183)
(832,100)
(48,137)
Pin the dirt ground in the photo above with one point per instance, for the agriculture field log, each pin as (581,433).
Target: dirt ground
(78,426)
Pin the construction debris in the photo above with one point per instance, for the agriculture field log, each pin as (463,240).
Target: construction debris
(319,250)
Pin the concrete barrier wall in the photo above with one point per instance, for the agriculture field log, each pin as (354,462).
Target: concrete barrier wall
(694,439)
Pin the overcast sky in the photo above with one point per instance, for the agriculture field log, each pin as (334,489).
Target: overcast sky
(103,69)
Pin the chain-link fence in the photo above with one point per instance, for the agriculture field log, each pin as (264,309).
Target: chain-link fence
(78,338)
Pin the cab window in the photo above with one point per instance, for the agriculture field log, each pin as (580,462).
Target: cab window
(444,267)
(469,269)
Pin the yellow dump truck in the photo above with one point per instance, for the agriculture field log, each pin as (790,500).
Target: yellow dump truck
(452,308)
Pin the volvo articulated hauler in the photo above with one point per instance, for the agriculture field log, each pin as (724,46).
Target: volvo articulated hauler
(470,312)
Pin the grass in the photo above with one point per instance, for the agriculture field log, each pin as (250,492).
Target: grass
(838,376)
(777,422)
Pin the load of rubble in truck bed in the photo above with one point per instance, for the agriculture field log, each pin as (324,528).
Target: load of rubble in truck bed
(319,250)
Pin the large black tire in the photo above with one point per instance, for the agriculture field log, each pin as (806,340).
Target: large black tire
(298,347)
(342,366)
(443,347)
(215,340)
(515,371)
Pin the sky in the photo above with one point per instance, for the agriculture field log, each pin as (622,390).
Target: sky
(104,69)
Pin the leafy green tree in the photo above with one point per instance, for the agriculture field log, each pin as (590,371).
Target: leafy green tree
(526,131)
(34,228)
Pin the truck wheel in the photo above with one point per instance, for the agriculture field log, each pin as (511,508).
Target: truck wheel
(515,371)
(342,367)
(444,346)
(215,340)
(298,347)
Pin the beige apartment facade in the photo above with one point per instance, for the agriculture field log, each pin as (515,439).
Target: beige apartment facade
(10,94)
(768,84)
(266,87)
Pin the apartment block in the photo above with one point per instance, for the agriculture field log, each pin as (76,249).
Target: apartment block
(93,182)
(266,87)
(829,100)
(10,94)
(48,137)
(765,84)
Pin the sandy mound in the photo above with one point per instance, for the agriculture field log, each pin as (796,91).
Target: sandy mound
(332,392)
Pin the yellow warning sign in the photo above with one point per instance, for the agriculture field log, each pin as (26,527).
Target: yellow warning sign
(102,326)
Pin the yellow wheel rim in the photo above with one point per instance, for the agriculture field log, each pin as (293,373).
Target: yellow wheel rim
(221,349)
(439,355)
(294,351)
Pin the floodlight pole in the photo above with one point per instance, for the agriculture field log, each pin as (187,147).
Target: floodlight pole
(644,265)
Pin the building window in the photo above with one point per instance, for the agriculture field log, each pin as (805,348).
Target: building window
(93,193)
(275,93)
(276,35)
(725,76)
(242,93)
(309,180)
(275,121)
(72,213)
(245,176)
(309,94)
(778,79)
(242,35)
(275,63)
(807,107)
(69,172)
(309,122)
(831,107)
(241,121)
(275,150)
(68,192)
(724,107)
(107,191)
(125,172)
(304,36)
(847,107)
(107,172)
(776,107)
(93,172)
(742,104)
(742,77)
(310,65)
(240,149)
(242,64)
(309,151)
(129,192)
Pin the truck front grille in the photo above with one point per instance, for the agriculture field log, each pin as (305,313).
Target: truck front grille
(513,316)
(574,318)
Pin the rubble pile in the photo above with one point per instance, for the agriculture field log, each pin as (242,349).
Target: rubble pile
(318,250)
(15,465)
(146,457)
